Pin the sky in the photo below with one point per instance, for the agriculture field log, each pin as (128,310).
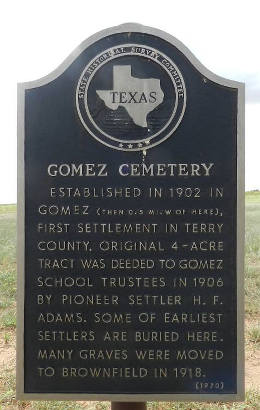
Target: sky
(36,36)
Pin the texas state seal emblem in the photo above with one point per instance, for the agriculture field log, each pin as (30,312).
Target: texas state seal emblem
(131,97)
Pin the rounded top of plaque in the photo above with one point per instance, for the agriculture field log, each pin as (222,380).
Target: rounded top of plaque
(131,85)
(130,28)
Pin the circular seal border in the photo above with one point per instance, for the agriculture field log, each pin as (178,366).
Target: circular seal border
(117,52)
(132,140)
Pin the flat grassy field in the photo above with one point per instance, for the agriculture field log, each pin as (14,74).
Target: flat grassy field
(8,321)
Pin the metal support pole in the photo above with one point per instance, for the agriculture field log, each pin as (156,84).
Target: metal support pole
(128,405)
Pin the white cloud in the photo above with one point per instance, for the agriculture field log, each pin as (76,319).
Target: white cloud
(252,144)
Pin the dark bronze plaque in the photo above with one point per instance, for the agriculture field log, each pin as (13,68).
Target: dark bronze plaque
(131,225)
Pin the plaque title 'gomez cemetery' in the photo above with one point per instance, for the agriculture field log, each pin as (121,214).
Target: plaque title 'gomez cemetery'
(130,236)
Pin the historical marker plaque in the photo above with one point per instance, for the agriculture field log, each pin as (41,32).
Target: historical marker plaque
(130,237)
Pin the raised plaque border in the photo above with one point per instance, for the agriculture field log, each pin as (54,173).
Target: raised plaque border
(22,87)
